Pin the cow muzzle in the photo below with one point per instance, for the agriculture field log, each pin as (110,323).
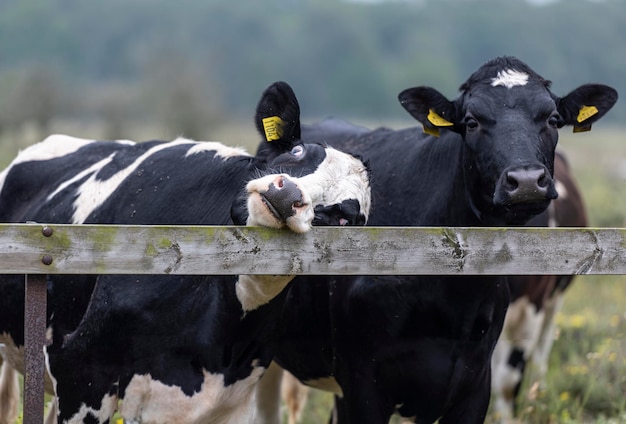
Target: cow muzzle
(523,185)
(277,201)
(282,198)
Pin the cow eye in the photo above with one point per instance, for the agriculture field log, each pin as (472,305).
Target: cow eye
(555,121)
(471,123)
(297,150)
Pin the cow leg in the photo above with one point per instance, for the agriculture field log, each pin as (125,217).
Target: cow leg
(85,391)
(505,380)
(521,331)
(53,410)
(9,393)
(541,353)
(268,396)
(295,395)
(361,403)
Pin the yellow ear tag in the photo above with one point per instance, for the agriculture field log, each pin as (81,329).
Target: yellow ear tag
(586,112)
(437,120)
(434,131)
(273,127)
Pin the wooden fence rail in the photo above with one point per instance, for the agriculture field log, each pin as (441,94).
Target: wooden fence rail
(38,249)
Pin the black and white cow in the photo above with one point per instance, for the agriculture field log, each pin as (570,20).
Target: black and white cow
(172,349)
(421,346)
(529,326)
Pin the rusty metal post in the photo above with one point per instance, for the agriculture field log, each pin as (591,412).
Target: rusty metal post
(35,305)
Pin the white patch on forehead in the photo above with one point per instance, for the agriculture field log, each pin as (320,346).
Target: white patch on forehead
(93,193)
(150,401)
(510,78)
(220,149)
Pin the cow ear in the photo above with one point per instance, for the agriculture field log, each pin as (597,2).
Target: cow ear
(278,116)
(431,108)
(585,105)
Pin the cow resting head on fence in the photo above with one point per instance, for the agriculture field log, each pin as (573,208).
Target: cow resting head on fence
(171,348)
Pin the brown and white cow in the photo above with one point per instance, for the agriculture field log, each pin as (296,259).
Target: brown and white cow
(529,326)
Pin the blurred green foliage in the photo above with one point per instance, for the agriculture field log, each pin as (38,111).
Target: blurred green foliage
(343,58)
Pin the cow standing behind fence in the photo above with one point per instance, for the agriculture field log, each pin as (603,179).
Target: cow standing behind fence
(421,346)
(173,349)
(529,326)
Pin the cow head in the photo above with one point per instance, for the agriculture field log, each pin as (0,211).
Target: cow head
(508,119)
(300,184)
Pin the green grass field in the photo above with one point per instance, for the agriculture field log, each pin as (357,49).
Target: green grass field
(586,382)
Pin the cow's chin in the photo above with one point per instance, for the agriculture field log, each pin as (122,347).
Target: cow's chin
(260,213)
(521,213)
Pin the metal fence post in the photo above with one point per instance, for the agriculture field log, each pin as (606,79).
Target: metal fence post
(34,340)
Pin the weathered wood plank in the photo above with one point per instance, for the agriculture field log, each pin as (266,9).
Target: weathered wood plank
(324,250)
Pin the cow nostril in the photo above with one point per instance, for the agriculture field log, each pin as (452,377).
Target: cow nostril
(511,181)
(281,182)
(543,181)
(298,204)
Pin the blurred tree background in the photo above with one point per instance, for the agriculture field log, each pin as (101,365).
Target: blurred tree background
(191,66)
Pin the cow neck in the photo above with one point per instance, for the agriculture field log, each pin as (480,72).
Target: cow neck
(476,217)
(457,207)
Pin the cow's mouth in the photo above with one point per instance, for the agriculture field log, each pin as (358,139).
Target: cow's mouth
(520,213)
(282,213)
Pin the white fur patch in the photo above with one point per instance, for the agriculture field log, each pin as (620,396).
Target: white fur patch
(93,193)
(54,146)
(220,149)
(561,189)
(510,78)
(522,326)
(108,406)
(150,401)
(256,290)
(327,384)
(338,178)
(9,393)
